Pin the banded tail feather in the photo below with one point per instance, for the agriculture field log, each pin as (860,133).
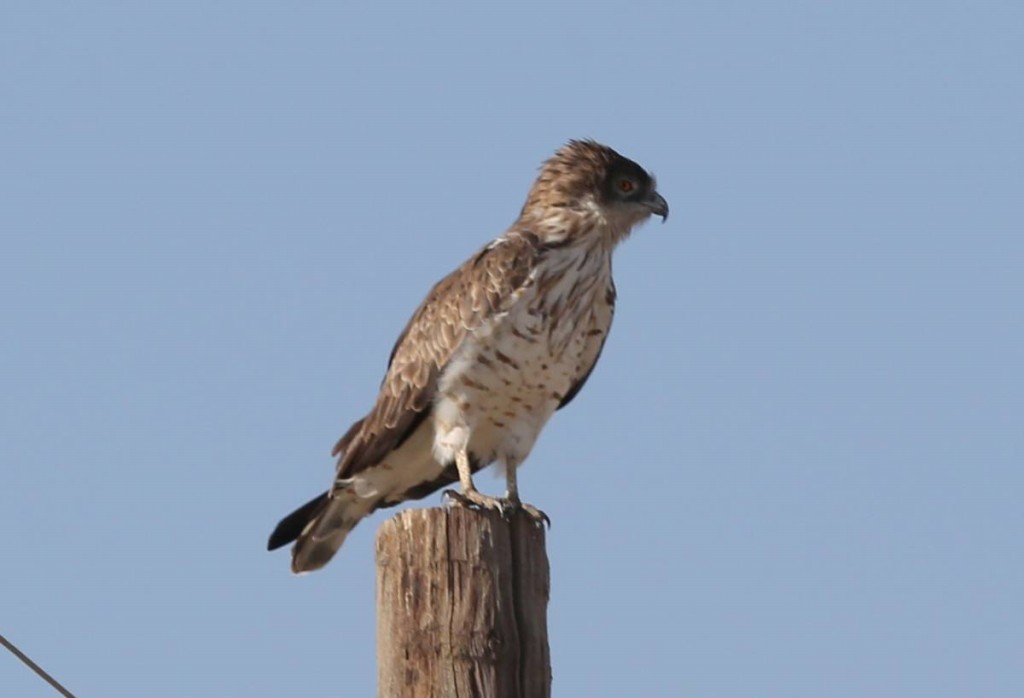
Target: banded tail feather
(319,527)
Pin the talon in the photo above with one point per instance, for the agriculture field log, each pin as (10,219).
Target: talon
(472,499)
(533,512)
(456,498)
(537,515)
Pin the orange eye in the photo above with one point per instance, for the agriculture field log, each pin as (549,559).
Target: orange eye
(626,185)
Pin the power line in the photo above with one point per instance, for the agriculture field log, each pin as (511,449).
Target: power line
(35,667)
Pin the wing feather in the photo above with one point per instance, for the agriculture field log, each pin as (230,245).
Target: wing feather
(601,324)
(483,286)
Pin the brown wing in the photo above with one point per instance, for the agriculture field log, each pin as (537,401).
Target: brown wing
(601,324)
(483,286)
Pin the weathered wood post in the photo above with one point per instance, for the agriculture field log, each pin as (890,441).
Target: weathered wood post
(462,601)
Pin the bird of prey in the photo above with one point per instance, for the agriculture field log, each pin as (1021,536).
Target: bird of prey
(493,351)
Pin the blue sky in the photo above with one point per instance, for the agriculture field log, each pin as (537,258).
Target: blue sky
(796,471)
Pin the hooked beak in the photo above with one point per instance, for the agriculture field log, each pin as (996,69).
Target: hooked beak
(656,204)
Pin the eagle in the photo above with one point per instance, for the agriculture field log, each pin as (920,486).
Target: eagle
(495,348)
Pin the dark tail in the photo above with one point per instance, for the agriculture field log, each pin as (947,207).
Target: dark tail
(291,526)
(319,527)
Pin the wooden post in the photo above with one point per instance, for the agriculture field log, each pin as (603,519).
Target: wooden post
(462,601)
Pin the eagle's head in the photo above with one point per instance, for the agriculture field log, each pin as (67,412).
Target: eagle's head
(587,188)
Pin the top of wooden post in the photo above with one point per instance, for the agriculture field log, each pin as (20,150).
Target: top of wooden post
(462,605)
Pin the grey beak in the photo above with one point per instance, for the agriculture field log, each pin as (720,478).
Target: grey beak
(657,205)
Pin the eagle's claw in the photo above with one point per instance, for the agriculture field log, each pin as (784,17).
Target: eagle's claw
(533,512)
(472,499)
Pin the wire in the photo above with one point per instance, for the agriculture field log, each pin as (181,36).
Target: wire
(35,667)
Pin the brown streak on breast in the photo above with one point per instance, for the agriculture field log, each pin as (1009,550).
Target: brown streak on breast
(505,359)
(520,335)
(470,383)
(584,260)
(547,283)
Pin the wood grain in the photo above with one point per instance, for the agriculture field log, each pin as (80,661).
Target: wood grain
(462,605)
